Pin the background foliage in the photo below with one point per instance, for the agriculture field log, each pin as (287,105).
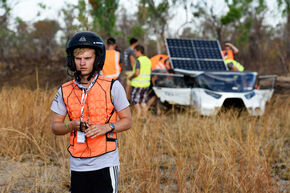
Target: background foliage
(263,47)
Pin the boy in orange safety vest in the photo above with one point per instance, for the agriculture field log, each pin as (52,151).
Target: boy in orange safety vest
(92,103)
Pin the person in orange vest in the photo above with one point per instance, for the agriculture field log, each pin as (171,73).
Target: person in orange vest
(158,62)
(113,62)
(229,51)
(92,103)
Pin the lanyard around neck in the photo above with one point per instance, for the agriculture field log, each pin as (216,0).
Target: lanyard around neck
(85,92)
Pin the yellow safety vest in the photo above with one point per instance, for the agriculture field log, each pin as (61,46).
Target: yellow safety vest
(143,79)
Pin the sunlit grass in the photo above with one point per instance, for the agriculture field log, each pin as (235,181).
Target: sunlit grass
(178,151)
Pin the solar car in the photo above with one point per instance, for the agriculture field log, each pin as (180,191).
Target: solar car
(201,80)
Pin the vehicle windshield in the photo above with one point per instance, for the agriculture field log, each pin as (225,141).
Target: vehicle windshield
(169,81)
(227,82)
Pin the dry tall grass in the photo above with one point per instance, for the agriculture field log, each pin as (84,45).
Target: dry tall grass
(175,152)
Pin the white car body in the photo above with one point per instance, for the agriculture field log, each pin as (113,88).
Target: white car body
(209,102)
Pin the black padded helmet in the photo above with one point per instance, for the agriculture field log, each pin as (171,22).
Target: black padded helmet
(86,39)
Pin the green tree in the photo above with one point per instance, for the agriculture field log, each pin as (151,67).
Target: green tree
(284,6)
(6,35)
(210,25)
(68,28)
(243,22)
(83,17)
(23,47)
(6,9)
(76,18)
(104,13)
(242,15)
(155,15)
(125,27)
(44,40)
(4,22)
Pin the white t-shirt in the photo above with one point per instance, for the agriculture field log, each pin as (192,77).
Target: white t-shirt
(120,102)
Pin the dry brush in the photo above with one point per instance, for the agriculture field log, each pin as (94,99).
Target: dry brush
(179,151)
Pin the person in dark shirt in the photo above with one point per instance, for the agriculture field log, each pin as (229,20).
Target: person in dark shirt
(129,61)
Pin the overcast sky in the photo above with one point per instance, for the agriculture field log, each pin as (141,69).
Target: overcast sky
(27,10)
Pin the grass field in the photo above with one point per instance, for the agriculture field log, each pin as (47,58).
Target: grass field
(179,151)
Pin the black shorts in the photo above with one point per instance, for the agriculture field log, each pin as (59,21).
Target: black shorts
(99,181)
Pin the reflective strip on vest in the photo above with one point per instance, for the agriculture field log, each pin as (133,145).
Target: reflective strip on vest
(160,66)
(236,64)
(158,62)
(143,79)
(98,109)
(111,67)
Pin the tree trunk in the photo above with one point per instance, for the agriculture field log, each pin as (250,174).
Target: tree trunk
(158,43)
(287,34)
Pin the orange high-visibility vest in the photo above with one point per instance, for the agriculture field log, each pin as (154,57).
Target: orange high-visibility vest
(229,55)
(98,109)
(158,62)
(112,68)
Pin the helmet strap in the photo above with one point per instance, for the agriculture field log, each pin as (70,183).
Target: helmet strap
(77,76)
(78,73)
(91,75)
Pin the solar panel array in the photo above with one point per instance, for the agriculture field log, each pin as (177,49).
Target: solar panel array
(195,55)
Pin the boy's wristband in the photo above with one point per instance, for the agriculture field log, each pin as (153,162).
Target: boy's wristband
(66,125)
